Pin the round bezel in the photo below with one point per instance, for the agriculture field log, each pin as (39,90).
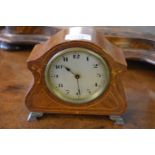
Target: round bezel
(63,97)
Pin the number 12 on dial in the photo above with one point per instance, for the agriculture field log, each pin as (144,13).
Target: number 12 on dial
(77,75)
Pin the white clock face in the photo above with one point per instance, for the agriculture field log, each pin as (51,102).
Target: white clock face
(77,75)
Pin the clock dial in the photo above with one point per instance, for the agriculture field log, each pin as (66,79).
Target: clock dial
(77,75)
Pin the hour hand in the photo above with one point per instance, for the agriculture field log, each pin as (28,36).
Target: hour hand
(69,70)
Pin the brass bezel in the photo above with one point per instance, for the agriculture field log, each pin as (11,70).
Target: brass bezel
(62,97)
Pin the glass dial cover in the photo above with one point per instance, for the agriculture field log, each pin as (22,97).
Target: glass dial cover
(77,75)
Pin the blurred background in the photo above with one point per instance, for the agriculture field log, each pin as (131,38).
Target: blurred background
(137,42)
(138,45)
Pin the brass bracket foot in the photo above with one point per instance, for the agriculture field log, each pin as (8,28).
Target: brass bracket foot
(34,115)
(118,120)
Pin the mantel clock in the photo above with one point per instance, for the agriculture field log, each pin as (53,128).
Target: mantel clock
(77,71)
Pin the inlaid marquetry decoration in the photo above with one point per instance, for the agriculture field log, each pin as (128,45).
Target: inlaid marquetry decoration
(77,71)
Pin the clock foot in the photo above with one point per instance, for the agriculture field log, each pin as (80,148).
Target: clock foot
(118,119)
(34,115)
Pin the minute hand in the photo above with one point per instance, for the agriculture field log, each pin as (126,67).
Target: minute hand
(76,76)
(78,86)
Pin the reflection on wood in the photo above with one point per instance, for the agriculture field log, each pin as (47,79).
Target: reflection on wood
(139,84)
(138,43)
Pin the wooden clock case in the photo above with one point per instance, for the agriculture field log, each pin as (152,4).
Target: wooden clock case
(40,100)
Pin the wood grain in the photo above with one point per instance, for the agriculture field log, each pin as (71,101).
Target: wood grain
(40,99)
(139,83)
(136,42)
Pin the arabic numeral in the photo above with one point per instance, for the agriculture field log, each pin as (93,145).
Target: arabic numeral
(95,66)
(58,66)
(89,91)
(67,92)
(99,75)
(76,56)
(60,85)
(96,84)
(65,59)
(77,93)
(87,58)
(55,76)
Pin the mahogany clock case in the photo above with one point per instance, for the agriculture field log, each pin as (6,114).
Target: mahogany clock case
(40,99)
